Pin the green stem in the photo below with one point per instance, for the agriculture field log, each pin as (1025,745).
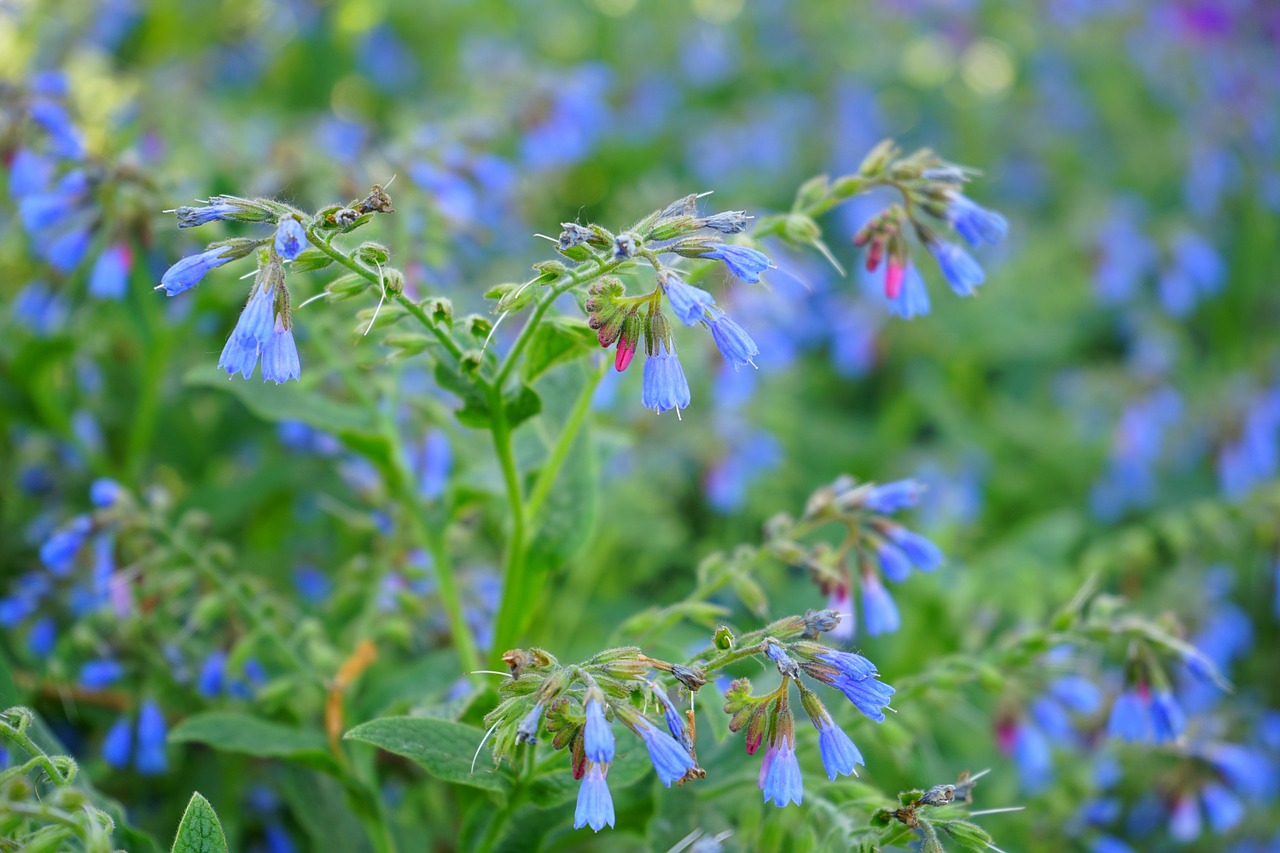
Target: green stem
(568,434)
(321,242)
(509,619)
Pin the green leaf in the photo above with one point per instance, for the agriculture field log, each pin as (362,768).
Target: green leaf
(522,405)
(556,340)
(443,748)
(231,732)
(200,831)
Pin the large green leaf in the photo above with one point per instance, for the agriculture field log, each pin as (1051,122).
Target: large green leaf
(555,340)
(232,732)
(200,831)
(443,748)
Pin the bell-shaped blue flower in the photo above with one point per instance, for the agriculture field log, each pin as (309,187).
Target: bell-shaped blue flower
(118,743)
(780,780)
(839,754)
(152,732)
(913,297)
(670,761)
(975,223)
(595,803)
(665,386)
(188,272)
(1128,720)
(735,344)
(959,269)
(919,550)
(597,737)
(280,355)
(291,238)
(689,303)
(110,276)
(879,613)
(252,334)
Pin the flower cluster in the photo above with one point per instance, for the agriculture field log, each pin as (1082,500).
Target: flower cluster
(577,703)
(621,320)
(933,197)
(875,547)
(265,328)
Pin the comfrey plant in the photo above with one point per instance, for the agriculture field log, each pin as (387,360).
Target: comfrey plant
(576,702)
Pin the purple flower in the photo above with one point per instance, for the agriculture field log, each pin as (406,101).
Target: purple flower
(958,268)
(152,731)
(734,342)
(1128,721)
(186,273)
(118,743)
(595,803)
(291,238)
(913,297)
(1184,819)
(839,754)
(893,562)
(97,674)
(110,276)
(891,497)
(879,613)
(745,263)
(780,778)
(670,761)
(975,223)
(597,737)
(689,303)
(665,386)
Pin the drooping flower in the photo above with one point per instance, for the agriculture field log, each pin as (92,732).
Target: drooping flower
(252,332)
(118,743)
(879,613)
(839,754)
(1128,720)
(975,223)
(280,355)
(689,303)
(527,731)
(59,551)
(104,492)
(743,262)
(97,674)
(891,497)
(1167,719)
(665,385)
(734,342)
(780,778)
(959,269)
(110,276)
(670,761)
(912,299)
(857,678)
(893,562)
(919,550)
(595,803)
(152,732)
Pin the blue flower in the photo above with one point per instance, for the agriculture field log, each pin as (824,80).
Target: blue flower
(431,461)
(665,386)
(291,238)
(839,754)
(745,263)
(1077,692)
(209,682)
(893,562)
(891,497)
(1033,757)
(58,552)
(1184,819)
(253,332)
(734,342)
(958,268)
(186,273)
(65,250)
(280,355)
(527,731)
(670,761)
(152,731)
(879,613)
(219,207)
(975,223)
(110,276)
(118,743)
(97,674)
(1128,719)
(595,803)
(42,637)
(917,548)
(597,737)
(780,778)
(849,665)
(675,721)
(867,695)
(29,173)
(913,297)
(690,303)
(1222,806)
(1168,721)
(104,492)
(53,117)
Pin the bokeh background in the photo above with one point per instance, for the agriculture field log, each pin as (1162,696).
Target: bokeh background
(1107,407)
